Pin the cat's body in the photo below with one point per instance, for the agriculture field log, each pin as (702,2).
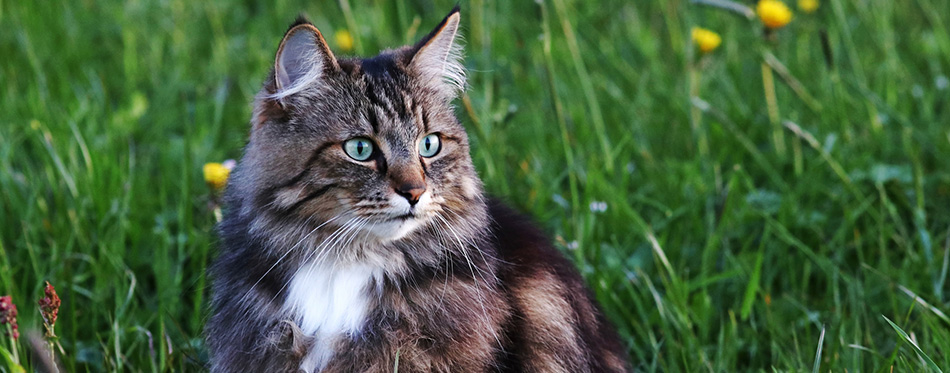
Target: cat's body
(357,237)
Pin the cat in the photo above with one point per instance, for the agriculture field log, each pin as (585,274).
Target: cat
(357,236)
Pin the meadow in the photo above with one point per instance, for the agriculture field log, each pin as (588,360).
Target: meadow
(780,203)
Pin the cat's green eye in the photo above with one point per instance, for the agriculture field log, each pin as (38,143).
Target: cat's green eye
(430,145)
(359,148)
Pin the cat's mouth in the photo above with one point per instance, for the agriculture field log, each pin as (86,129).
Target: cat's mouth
(407,216)
(400,218)
(396,226)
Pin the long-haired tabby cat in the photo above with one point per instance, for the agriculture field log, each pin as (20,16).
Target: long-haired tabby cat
(357,236)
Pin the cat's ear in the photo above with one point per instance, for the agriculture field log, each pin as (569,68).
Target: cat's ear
(437,60)
(303,59)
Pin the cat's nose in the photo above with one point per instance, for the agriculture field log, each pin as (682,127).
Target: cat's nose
(411,191)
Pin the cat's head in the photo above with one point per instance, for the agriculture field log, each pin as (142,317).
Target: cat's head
(370,143)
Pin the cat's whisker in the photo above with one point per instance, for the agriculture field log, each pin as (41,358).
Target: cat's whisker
(462,247)
(472,239)
(448,263)
(351,231)
(277,294)
(472,268)
(326,247)
(281,258)
(356,232)
(348,236)
(320,249)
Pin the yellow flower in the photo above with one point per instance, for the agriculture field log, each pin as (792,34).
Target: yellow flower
(706,39)
(773,13)
(808,6)
(344,40)
(216,175)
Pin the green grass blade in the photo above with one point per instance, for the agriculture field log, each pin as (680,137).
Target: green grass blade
(821,343)
(900,332)
(752,287)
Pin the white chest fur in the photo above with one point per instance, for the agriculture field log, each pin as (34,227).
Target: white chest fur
(330,301)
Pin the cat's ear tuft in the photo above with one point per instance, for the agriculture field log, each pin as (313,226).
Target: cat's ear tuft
(303,59)
(437,60)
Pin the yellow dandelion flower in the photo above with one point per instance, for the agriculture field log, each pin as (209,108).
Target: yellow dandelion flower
(344,40)
(216,175)
(706,40)
(773,13)
(808,6)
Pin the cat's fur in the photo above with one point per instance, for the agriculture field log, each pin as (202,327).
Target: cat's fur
(337,265)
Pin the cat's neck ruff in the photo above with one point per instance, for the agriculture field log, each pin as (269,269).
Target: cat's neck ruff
(330,300)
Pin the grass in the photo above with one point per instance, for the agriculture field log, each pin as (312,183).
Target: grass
(657,170)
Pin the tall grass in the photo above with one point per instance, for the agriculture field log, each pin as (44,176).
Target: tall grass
(727,257)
